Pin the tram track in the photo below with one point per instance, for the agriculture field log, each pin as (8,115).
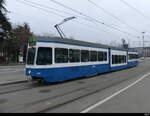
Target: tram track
(16,87)
(58,100)
(67,97)
(96,89)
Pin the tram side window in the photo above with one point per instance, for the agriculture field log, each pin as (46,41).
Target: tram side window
(84,56)
(44,56)
(136,56)
(74,55)
(105,56)
(130,56)
(133,56)
(102,56)
(125,59)
(118,59)
(61,55)
(113,59)
(93,56)
(122,59)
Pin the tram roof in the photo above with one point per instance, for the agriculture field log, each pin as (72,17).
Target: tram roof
(74,42)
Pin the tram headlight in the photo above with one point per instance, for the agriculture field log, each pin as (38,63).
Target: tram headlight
(29,72)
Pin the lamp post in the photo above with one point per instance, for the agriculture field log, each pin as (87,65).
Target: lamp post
(143,44)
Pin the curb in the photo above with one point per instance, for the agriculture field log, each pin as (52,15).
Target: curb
(13,64)
(13,82)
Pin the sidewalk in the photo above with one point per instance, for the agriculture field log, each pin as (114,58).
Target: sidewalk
(12,75)
(12,64)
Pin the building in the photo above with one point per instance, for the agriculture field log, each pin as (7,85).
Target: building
(142,52)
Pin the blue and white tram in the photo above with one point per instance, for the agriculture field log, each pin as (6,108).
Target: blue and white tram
(132,59)
(118,59)
(56,60)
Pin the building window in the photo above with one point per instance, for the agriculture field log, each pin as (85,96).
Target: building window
(61,55)
(74,55)
(84,56)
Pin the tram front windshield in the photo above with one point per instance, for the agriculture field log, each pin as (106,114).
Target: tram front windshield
(31,56)
(44,56)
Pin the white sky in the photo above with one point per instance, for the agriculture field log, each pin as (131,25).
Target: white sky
(42,22)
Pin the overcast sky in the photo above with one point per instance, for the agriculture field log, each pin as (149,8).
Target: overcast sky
(131,21)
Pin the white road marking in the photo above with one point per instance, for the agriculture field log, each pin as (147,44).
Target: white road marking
(5,69)
(115,94)
(17,70)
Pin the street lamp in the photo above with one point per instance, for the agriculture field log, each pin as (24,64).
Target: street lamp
(143,43)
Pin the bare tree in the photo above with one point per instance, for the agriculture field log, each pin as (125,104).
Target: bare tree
(5,28)
(114,43)
(20,35)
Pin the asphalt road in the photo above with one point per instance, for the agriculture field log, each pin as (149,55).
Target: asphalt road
(118,92)
(12,73)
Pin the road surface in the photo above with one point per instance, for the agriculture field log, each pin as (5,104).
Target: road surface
(125,91)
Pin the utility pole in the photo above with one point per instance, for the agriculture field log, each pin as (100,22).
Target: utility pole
(143,44)
(58,28)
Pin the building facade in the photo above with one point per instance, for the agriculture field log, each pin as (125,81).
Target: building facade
(142,52)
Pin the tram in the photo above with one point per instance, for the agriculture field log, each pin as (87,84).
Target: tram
(58,60)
